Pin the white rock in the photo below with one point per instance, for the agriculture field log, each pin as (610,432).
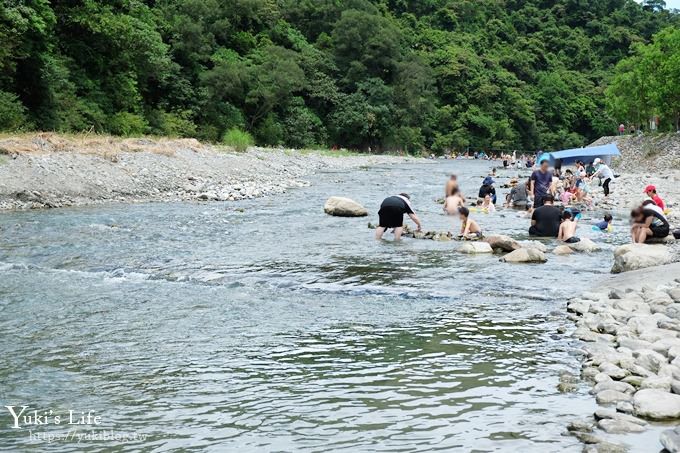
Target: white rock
(656,382)
(534,245)
(611,396)
(584,245)
(475,247)
(524,255)
(502,242)
(639,256)
(344,207)
(670,439)
(615,426)
(656,404)
(562,250)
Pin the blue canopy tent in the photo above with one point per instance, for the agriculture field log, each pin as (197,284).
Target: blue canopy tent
(589,154)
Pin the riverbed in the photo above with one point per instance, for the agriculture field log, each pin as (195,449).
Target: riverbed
(265,325)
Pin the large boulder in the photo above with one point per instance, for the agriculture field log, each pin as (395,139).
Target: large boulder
(639,256)
(563,250)
(525,256)
(502,242)
(656,404)
(535,245)
(473,248)
(344,207)
(584,245)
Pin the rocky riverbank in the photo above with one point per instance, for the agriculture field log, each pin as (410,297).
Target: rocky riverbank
(630,326)
(49,170)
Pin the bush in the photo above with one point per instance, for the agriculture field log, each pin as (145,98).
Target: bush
(12,113)
(127,124)
(238,139)
(174,124)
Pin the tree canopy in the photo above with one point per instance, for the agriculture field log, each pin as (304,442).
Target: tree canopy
(385,74)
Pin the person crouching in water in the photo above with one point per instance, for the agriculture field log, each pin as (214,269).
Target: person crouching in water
(391,215)
(469,229)
(453,201)
(568,227)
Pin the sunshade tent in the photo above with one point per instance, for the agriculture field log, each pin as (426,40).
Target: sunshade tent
(589,154)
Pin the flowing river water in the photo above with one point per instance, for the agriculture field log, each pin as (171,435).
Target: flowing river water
(265,325)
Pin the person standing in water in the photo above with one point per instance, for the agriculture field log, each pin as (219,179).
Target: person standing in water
(541,180)
(391,215)
(452,187)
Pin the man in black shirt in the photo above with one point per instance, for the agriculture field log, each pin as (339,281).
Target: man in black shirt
(391,215)
(545,221)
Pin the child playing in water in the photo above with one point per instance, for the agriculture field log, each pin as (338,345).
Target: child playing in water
(453,202)
(469,228)
(487,205)
(568,229)
(605,225)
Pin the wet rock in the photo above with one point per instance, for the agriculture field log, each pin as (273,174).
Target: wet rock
(670,439)
(344,207)
(611,396)
(584,426)
(473,248)
(656,404)
(578,306)
(615,426)
(534,245)
(502,242)
(639,256)
(675,294)
(524,255)
(619,386)
(562,250)
(584,245)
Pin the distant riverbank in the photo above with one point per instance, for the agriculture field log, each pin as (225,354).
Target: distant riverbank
(50,171)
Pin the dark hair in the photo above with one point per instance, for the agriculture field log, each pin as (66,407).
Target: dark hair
(608,218)
(464,211)
(648,202)
(549,198)
(566,215)
(637,212)
(479,202)
(405,195)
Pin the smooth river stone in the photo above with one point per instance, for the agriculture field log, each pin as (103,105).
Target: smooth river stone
(619,386)
(656,404)
(611,396)
(670,439)
(614,426)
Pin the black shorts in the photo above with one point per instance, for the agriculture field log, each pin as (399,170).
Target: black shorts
(391,217)
(538,201)
(660,231)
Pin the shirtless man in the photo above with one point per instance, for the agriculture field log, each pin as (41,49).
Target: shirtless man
(567,231)
(451,186)
(454,201)
(469,229)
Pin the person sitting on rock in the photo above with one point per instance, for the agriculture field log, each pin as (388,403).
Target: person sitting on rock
(546,219)
(567,232)
(648,222)
(454,201)
(518,196)
(391,215)
(469,229)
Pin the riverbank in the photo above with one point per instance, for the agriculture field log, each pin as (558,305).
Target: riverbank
(50,170)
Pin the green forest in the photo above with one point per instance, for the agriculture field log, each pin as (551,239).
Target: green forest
(406,75)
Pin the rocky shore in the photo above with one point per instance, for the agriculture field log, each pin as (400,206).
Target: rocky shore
(50,171)
(630,326)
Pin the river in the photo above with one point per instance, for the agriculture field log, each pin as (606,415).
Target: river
(265,325)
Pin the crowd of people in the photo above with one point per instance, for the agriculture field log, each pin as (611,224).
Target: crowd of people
(552,199)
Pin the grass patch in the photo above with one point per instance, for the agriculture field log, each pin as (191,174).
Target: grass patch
(238,139)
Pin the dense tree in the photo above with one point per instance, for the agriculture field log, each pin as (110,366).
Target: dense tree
(398,74)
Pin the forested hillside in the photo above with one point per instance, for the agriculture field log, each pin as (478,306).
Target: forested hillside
(399,74)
